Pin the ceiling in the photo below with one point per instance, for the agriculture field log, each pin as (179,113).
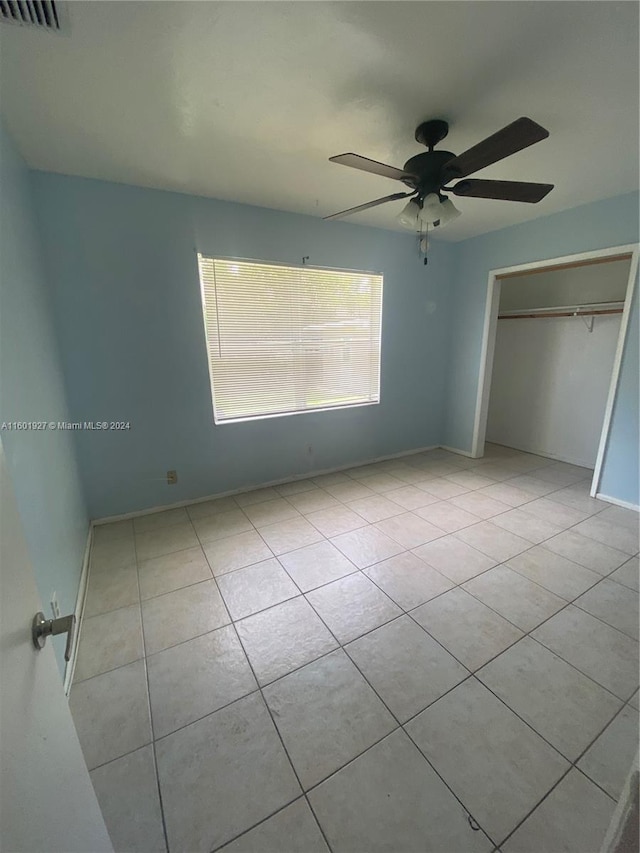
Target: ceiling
(246,101)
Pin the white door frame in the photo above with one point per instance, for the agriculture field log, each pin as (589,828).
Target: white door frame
(489,339)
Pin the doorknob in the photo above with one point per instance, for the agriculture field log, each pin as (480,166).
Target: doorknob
(41,628)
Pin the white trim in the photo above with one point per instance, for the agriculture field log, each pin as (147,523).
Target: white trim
(263,262)
(79,611)
(627,248)
(617,502)
(615,373)
(109,519)
(310,411)
(486,366)
(489,337)
(622,834)
(456,450)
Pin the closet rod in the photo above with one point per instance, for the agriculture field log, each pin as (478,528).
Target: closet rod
(558,314)
(587,310)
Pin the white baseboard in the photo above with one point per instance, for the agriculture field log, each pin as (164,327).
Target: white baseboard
(306,476)
(617,502)
(458,451)
(80,600)
(570,460)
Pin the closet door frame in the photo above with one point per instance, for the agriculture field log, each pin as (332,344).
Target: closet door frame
(490,328)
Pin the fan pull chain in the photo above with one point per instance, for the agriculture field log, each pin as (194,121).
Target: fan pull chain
(423,243)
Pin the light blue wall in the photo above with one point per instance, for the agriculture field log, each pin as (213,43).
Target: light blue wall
(122,265)
(122,268)
(42,463)
(610,222)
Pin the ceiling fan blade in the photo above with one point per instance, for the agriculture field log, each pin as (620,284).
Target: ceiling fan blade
(503,190)
(366,165)
(514,137)
(369,204)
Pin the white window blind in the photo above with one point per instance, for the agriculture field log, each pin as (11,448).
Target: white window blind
(282,340)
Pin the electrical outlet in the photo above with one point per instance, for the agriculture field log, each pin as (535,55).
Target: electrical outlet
(172,478)
(55,606)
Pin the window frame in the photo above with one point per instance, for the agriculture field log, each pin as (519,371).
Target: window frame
(307,411)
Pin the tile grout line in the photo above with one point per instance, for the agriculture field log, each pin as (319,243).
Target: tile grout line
(549,463)
(153,737)
(341,648)
(528,633)
(402,725)
(385,736)
(407,612)
(174,731)
(564,607)
(472,675)
(264,820)
(404,612)
(540,543)
(360,636)
(456,586)
(453,533)
(399,726)
(277,730)
(504,563)
(573,765)
(445,533)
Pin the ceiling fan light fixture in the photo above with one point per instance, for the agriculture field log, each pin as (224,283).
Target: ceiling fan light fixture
(448,212)
(408,216)
(430,212)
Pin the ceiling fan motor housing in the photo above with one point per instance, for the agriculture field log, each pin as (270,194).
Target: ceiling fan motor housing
(431,132)
(427,169)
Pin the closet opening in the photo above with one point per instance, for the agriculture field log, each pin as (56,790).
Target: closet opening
(553,340)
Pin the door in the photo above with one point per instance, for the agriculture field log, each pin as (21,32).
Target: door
(47,802)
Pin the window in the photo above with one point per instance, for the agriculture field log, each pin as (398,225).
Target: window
(283,340)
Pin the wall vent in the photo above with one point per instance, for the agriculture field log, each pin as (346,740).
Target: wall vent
(41,14)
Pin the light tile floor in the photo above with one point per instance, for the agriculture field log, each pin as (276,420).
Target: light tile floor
(431,653)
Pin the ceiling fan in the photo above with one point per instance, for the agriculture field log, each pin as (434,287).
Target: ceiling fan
(429,174)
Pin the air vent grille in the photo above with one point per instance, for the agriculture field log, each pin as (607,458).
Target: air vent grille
(43,14)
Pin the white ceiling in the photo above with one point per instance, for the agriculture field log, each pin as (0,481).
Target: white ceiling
(247,100)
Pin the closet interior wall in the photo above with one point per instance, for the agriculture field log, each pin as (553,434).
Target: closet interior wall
(555,344)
